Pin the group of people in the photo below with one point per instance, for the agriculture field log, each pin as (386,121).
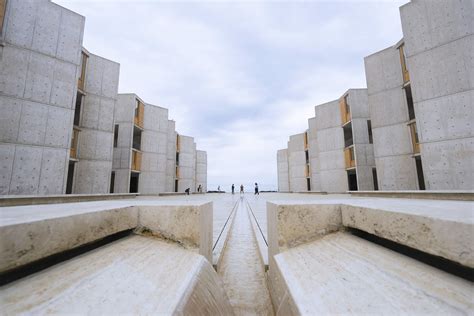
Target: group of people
(242,189)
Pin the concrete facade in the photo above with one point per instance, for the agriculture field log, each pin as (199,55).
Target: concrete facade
(186,175)
(439,41)
(283,172)
(201,170)
(314,155)
(95,105)
(39,63)
(298,165)
(171,157)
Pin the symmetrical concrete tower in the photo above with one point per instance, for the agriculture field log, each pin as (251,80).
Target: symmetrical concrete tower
(419,102)
(63,126)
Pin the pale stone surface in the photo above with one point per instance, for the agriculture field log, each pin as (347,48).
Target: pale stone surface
(134,275)
(344,274)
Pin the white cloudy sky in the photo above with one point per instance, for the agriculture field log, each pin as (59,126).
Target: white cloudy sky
(239,76)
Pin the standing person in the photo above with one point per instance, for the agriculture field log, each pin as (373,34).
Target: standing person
(256,189)
(241,189)
(218,188)
(199,189)
(233,188)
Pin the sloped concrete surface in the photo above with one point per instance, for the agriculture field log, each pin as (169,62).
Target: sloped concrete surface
(344,274)
(135,275)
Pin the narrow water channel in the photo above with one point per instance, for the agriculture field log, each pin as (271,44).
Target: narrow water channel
(242,271)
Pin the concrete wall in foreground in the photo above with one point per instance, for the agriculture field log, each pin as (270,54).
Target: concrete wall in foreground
(314,155)
(38,74)
(389,115)
(439,46)
(283,172)
(364,150)
(95,141)
(330,140)
(187,164)
(154,147)
(201,170)
(297,163)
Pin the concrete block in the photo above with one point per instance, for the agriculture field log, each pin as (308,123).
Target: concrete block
(96,145)
(388,107)
(7,154)
(152,182)
(383,71)
(39,78)
(95,73)
(448,165)
(396,173)
(125,135)
(71,32)
(125,107)
(46,29)
(359,103)
(360,131)
(59,127)
(53,171)
(26,170)
(106,115)
(90,111)
(190,226)
(330,139)
(93,177)
(365,180)
(447,117)
(21,22)
(33,123)
(384,144)
(64,84)
(334,181)
(330,160)
(364,155)
(110,80)
(328,115)
(13,69)
(122,181)
(10,109)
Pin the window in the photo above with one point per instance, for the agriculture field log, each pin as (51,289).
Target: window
(112,182)
(139,113)
(307,156)
(348,140)
(137,138)
(82,75)
(308,184)
(116,133)
(369,128)
(409,97)
(419,173)
(405,73)
(414,138)
(374,177)
(345,109)
(305,140)
(3,6)
(77,110)
(177,158)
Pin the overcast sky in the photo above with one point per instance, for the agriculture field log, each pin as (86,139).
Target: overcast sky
(239,76)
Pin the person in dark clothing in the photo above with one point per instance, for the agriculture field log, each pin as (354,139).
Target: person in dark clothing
(233,188)
(187,191)
(256,189)
(241,189)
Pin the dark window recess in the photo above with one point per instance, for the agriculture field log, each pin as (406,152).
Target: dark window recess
(348,141)
(369,128)
(176,185)
(137,138)
(70,177)
(352,180)
(411,109)
(307,156)
(308,184)
(116,133)
(374,177)
(419,173)
(134,177)
(177,159)
(77,110)
(112,182)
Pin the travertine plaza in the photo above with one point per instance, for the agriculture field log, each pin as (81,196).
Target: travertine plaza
(375,212)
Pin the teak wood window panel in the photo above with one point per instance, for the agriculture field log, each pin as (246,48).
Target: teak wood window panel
(307,171)
(3,7)
(74,142)
(403,63)
(82,77)
(136,160)
(414,138)
(305,140)
(345,110)
(349,157)
(139,114)
(178,144)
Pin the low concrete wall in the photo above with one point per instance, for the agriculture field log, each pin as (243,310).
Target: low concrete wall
(11,200)
(432,195)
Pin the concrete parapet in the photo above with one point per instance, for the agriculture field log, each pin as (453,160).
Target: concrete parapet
(431,195)
(10,200)
(134,275)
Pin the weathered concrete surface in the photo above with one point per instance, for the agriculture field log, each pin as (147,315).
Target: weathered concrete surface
(15,200)
(313,152)
(29,233)
(297,163)
(431,195)
(371,280)
(201,170)
(187,164)
(242,270)
(135,275)
(283,171)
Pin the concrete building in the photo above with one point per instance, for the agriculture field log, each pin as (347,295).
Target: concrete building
(421,99)
(90,161)
(201,170)
(336,152)
(185,164)
(172,156)
(39,67)
(283,171)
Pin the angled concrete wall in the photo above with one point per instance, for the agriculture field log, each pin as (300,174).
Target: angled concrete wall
(38,74)
(330,140)
(364,151)
(154,147)
(122,160)
(297,163)
(389,115)
(283,172)
(187,164)
(439,45)
(95,141)
(171,157)
(201,170)
(314,155)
